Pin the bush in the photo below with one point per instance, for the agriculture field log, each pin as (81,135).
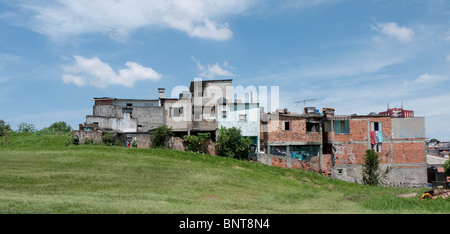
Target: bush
(446,166)
(88,141)
(370,168)
(230,143)
(111,139)
(26,127)
(160,136)
(198,144)
(58,127)
(371,173)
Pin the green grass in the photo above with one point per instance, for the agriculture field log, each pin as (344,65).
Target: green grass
(41,174)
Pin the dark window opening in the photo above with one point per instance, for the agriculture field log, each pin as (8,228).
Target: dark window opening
(312,127)
(286,126)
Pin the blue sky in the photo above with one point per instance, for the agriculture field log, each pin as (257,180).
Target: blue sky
(355,56)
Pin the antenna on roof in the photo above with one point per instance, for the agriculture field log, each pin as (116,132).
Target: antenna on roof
(304,102)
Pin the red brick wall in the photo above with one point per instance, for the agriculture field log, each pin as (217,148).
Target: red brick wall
(409,152)
(297,132)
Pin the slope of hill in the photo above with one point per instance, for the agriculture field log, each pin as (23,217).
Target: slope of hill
(42,174)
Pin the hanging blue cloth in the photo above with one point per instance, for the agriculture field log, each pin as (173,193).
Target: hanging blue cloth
(380,137)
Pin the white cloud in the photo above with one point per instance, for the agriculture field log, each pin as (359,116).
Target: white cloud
(393,30)
(99,74)
(65,18)
(214,70)
(425,79)
(77,80)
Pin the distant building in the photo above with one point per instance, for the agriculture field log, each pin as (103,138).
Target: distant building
(398,113)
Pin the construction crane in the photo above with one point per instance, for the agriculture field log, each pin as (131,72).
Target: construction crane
(304,102)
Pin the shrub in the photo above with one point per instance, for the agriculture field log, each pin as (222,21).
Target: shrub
(111,138)
(58,127)
(160,136)
(446,166)
(198,144)
(88,141)
(26,127)
(371,174)
(230,143)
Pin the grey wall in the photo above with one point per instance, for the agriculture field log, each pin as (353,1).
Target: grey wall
(408,128)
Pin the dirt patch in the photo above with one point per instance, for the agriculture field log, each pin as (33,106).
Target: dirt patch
(240,168)
(408,195)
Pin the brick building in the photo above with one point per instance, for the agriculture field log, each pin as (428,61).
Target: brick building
(336,145)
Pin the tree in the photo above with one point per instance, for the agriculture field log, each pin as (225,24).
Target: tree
(160,136)
(231,143)
(370,168)
(111,139)
(446,166)
(26,127)
(4,128)
(371,173)
(198,144)
(59,127)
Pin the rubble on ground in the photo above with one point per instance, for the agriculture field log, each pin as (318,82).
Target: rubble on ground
(435,193)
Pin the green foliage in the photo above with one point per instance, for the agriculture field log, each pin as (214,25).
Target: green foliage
(370,168)
(111,139)
(197,144)
(160,136)
(446,166)
(88,141)
(230,143)
(433,140)
(4,127)
(61,126)
(26,127)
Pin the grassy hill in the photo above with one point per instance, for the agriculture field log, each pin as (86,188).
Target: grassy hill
(41,174)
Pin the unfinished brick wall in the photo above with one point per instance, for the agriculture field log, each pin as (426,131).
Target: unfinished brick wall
(409,152)
(296,132)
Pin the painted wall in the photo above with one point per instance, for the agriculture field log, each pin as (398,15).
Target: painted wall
(249,127)
(146,117)
(408,128)
(125,124)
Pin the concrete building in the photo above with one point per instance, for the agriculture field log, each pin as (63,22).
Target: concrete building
(244,116)
(130,119)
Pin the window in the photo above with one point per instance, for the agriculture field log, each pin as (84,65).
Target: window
(278,150)
(129,104)
(224,114)
(176,111)
(340,126)
(377,147)
(312,127)
(375,126)
(242,117)
(286,125)
(304,153)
